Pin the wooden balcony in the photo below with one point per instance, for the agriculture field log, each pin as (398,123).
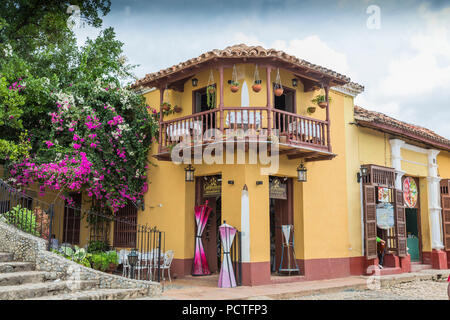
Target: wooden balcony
(298,136)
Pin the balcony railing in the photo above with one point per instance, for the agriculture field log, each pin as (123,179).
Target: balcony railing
(293,130)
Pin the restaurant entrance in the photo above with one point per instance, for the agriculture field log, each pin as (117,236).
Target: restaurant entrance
(208,188)
(281,213)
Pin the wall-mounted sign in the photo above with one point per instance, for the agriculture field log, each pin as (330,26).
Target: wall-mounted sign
(212,187)
(410,192)
(384,195)
(277,189)
(385,215)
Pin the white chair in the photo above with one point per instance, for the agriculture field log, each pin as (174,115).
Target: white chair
(123,259)
(165,264)
(144,262)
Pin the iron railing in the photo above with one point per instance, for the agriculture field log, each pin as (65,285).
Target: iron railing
(66,226)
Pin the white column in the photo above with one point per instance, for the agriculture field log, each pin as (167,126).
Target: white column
(434,207)
(396,161)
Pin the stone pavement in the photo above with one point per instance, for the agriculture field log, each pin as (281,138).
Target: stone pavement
(205,288)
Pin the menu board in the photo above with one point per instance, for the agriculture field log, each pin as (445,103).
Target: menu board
(410,192)
(385,215)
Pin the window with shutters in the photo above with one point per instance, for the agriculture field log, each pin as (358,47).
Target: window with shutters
(378,177)
(445,205)
(125,228)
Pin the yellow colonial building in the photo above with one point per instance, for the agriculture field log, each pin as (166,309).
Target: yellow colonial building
(248,122)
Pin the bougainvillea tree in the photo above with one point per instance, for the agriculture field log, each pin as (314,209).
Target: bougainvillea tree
(99,143)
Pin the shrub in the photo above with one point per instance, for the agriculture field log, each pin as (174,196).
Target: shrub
(23,219)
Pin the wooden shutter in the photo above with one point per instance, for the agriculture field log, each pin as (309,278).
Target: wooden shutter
(400,223)
(370,222)
(445,204)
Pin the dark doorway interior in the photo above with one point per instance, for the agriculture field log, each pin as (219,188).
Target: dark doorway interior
(285,102)
(200,104)
(412,231)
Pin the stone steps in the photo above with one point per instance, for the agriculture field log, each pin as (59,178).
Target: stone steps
(97,294)
(33,290)
(16,278)
(15,266)
(6,257)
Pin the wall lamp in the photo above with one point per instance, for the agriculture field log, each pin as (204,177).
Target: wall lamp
(361,174)
(302,173)
(258,183)
(230,181)
(189,173)
(194,82)
(294,82)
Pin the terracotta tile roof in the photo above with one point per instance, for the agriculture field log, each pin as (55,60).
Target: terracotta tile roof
(241,51)
(389,124)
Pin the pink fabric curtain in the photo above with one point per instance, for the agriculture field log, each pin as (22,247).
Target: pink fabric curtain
(226,276)
(201,267)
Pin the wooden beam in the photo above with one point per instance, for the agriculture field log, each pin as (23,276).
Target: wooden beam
(302,155)
(321,158)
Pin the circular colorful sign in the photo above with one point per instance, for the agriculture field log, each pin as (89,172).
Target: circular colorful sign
(410,193)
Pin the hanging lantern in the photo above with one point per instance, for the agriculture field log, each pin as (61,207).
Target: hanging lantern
(294,82)
(301,173)
(194,82)
(189,173)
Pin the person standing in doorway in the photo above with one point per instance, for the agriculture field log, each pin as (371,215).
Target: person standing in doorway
(381,248)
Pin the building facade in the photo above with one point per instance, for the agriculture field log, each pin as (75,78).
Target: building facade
(333,213)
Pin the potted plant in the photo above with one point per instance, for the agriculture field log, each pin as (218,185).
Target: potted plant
(177,109)
(113,261)
(321,101)
(311,110)
(165,106)
(278,90)
(211,96)
(257,86)
(234,86)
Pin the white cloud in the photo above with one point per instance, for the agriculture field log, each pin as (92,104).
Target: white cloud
(311,49)
(314,50)
(427,68)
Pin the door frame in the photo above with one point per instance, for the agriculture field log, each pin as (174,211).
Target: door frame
(419,220)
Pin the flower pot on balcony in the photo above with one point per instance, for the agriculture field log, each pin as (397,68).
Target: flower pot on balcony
(311,109)
(177,109)
(323,104)
(278,91)
(165,106)
(256,87)
(234,88)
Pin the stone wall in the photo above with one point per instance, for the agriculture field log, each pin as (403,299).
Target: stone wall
(26,247)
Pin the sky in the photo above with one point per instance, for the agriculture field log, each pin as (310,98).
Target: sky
(399,50)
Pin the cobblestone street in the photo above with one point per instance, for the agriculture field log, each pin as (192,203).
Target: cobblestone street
(414,290)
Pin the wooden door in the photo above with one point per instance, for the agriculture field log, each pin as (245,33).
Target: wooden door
(445,205)
(370,222)
(72,220)
(210,236)
(400,223)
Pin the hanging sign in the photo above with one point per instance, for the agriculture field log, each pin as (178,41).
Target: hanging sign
(277,189)
(384,194)
(410,192)
(212,187)
(385,215)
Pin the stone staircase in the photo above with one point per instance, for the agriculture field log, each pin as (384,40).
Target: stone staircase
(20,281)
